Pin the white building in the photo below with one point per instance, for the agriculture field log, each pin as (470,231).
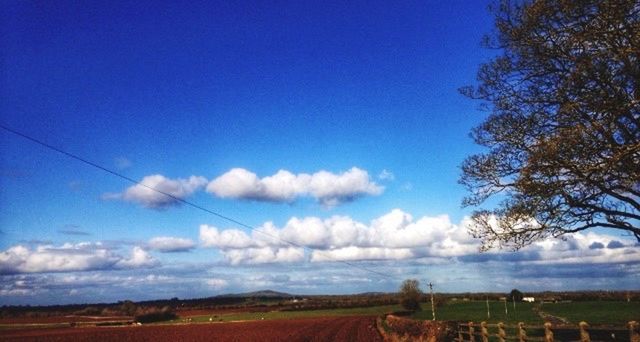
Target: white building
(528,299)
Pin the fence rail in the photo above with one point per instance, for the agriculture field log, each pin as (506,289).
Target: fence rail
(484,332)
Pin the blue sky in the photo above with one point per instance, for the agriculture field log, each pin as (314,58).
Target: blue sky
(335,126)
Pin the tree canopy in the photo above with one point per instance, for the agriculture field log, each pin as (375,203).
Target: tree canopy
(563,133)
(410,294)
(515,295)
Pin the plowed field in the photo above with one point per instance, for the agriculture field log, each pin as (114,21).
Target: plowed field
(308,329)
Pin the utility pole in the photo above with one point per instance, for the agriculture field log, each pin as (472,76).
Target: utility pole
(433,308)
(488,312)
(506,312)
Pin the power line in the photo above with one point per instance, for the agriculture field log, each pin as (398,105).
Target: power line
(183,201)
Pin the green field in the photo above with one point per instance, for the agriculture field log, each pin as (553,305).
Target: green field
(476,311)
(596,312)
(250,316)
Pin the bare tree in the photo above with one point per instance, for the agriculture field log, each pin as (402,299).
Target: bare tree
(563,134)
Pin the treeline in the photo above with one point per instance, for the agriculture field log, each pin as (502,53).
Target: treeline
(127,308)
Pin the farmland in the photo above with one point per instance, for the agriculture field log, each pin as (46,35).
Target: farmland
(276,323)
(594,312)
(279,315)
(314,329)
(477,311)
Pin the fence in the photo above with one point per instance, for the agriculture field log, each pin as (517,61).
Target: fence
(548,333)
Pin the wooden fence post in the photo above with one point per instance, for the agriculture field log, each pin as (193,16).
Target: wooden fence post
(634,334)
(502,335)
(584,334)
(548,333)
(522,332)
(460,337)
(472,338)
(485,332)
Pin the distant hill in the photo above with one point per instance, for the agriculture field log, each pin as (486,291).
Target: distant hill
(261,294)
(374,293)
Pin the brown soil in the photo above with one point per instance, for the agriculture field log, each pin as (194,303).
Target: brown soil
(312,329)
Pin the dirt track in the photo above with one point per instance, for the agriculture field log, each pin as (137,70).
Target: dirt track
(312,329)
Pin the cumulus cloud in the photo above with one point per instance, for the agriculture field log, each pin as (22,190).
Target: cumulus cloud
(240,248)
(210,236)
(167,244)
(144,195)
(393,236)
(327,188)
(397,235)
(264,255)
(82,256)
(139,259)
(584,248)
(577,248)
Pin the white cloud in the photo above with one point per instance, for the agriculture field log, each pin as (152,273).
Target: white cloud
(210,236)
(83,256)
(167,244)
(144,195)
(264,255)
(396,236)
(327,188)
(577,249)
(331,189)
(390,237)
(217,284)
(259,248)
(139,259)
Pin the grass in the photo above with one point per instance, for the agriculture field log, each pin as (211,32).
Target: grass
(252,316)
(476,311)
(595,312)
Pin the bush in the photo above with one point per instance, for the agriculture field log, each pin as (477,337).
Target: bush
(149,315)
(516,295)
(128,308)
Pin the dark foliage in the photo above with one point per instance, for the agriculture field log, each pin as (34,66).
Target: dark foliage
(410,295)
(515,295)
(153,314)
